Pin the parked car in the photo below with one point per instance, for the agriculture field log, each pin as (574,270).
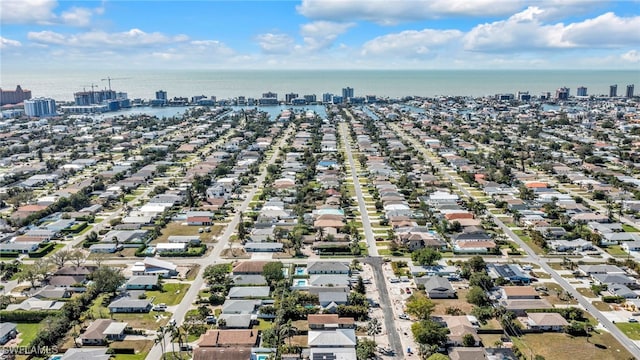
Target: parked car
(633,320)
(210,319)
(404,317)
(160,307)
(408,291)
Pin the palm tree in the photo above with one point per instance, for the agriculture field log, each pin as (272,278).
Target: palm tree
(176,334)
(288,330)
(160,340)
(374,328)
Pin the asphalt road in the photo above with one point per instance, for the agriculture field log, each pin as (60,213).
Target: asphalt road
(214,255)
(619,335)
(366,224)
(374,260)
(385,304)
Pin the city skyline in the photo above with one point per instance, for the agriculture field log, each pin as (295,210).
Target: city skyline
(309,34)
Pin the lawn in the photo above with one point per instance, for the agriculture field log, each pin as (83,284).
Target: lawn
(559,346)
(460,303)
(616,250)
(28,332)
(263,325)
(176,228)
(151,320)
(172,294)
(586,292)
(628,228)
(142,348)
(632,330)
(601,305)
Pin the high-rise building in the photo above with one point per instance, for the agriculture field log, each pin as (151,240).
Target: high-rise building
(288,98)
(40,107)
(347,93)
(93,97)
(582,91)
(630,91)
(523,96)
(562,93)
(14,96)
(269,95)
(310,98)
(326,97)
(161,95)
(613,91)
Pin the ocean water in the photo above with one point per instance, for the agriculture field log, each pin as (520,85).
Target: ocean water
(61,85)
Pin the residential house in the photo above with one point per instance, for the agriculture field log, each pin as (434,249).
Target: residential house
(329,321)
(129,305)
(438,287)
(142,282)
(246,292)
(153,266)
(459,326)
(35,304)
(542,321)
(8,331)
(101,330)
(86,353)
(327,267)
(229,338)
(338,344)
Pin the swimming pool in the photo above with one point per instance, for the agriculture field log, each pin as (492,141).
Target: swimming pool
(301,282)
(262,357)
(301,271)
(55,357)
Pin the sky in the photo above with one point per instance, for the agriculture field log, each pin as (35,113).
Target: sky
(320,34)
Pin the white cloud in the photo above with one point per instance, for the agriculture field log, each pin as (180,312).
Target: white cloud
(271,43)
(92,39)
(606,30)
(42,12)
(632,56)
(410,43)
(77,17)
(392,12)
(525,31)
(319,35)
(7,43)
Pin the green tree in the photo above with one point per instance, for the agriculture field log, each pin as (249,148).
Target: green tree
(477,296)
(360,288)
(107,279)
(426,256)
(374,328)
(287,330)
(476,263)
(272,272)
(34,273)
(365,349)
(468,340)
(429,332)
(482,280)
(419,306)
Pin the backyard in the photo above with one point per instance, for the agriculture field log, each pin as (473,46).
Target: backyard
(565,347)
(172,294)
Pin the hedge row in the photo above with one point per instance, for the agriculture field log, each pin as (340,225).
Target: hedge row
(42,251)
(191,252)
(24,316)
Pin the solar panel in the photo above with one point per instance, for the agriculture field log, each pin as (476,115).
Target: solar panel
(324,356)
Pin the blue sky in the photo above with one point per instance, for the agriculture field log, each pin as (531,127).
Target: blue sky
(321,34)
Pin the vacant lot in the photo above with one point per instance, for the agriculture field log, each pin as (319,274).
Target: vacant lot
(632,330)
(172,294)
(141,347)
(564,347)
(27,332)
(460,303)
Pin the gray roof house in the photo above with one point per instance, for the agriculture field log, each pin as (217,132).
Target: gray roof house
(7,332)
(129,305)
(236,321)
(327,267)
(617,279)
(336,297)
(86,353)
(142,282)
(329,280)
(240,306)
(242,292)
(438,287)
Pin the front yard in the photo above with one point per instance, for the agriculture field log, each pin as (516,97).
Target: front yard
(172,294)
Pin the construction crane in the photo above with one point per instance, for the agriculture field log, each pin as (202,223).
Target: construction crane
(110,78)
(92,86)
